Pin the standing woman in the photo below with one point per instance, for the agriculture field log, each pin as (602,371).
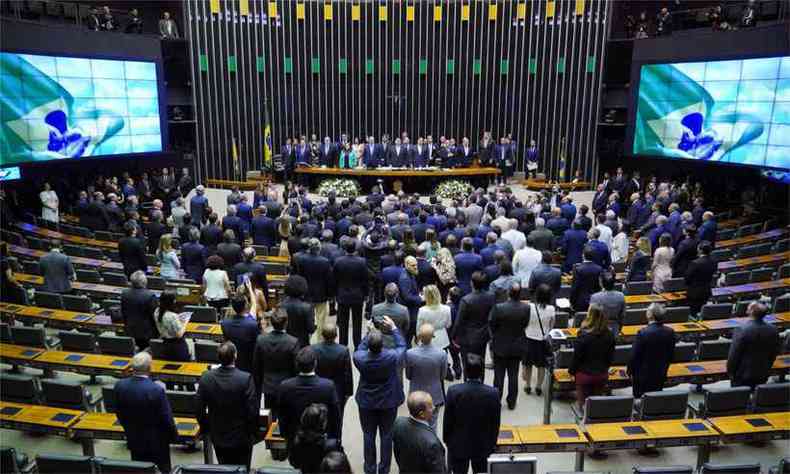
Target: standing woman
(171,329)
(216,284)
(640,261)
(438,315)
(169,265)
(541,321)
(593,353)
(662,262)
(256,292)
(444,264)
(431,245)
(49,204)
(620,243)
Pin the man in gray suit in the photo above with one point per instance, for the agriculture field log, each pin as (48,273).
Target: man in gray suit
(57,270)
(612,302)
(754,348)
(426,367)
(396,311)
(167,27)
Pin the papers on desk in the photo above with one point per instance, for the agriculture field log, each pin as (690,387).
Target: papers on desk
(185,316)
(563,303)
(557,334)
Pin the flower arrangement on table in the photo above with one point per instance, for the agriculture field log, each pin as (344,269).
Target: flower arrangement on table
(453,189)
(341,187)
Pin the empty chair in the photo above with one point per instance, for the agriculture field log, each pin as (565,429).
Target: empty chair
(118,466)
(740,308)
(737,278)
(607,409)
(721,255)
(93,252)
(63,394)
(561,319)
(206,351)
(60,463)
(49,300)
(77,341)
(5,333)
(209,469)
(622,355)
(157,348)
(116,345)
(762,274)
(716,311)
(112,255)
(744,231)
(710,468)
(684,352)
(663,470)
(664,405)
(77,303)
(725,234)
(88,276)
(31,267)
(675,284)
(713,350)
(15,462)
(678,314)
(635,316)
(563,358)
(34,337)
(72,250)
(782,245)
(115,279)
(156,283)
(639,287)
(748,251)
(784,271)
(182,403)
(782,304)
(103,235)
(771,397)
(202,314)
(83,232)
(37,244)
(108,398)
(261,250)
(18,388)
(782,468)
(724,402)
(764,248)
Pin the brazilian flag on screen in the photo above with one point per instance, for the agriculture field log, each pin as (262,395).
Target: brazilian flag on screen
(37,116)
(676,117)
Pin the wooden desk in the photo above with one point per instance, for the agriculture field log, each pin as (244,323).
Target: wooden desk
(775,234)
(37,418)
(718,326)
(771,260)
(753,427)
(92,426)
(723,292)
(508,440)
(548,439)
(413,173)
(628,333)
(229,184)
(183,372)
(540,185)
(276,443)
(22,355)
(643,300)
(91,263)
(68,238)
(83,363)
(207,331)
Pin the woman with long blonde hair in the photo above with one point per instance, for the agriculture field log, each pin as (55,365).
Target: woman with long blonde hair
(444,264)
(593,353)
(438,315)
(169,265)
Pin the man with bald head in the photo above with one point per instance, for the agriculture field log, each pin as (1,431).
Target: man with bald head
(145,415)
(754,348)
(426,367)
(417,448)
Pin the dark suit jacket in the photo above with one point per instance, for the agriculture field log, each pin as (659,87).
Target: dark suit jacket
(545,274)
(351,279)
(95,216)
(586,281)
(243,332)
(334,363)
(653,351)
(572,244)
(601,254)
(417,448)
(320,281)
(144,412)
(638,266)
(301,319)
(409,293)
(137,311)
(687,251)
(592,353)
(273,360)
(754,348)
(227,407)
(297,393)
(211,236)
(466,263)
(58,271)
(471,328)
(231,255)
(263,230)
(235,224)
(471,419)
(193,259)
(698,278)
(508,323)
(155,230)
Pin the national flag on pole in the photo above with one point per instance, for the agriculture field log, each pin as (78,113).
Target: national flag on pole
(267,146)
(235,154)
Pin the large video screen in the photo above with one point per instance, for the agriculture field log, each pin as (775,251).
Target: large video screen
(723,111)
(56,107)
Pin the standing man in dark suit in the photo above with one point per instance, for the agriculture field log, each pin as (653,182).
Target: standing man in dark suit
(586,281)
(263,228)
(417,448)
(699,277)
(471,331)
(227,408)
(273,360)
(211,234)
(466,264)
(653,351)
(503,157)
(334,363)
(320,282)
(351,281)
(154,230)
(137,310)
(410,294)
(57,270)
(572,244)
(193,256)
(546,274)
(754,348)
(198,205)
(144,412)
(471,420)
(327,154)
(297,393)
(301,320)
(508,322)
(131,251)
(686,252)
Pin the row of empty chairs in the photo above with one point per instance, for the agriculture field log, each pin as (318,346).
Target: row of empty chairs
(714,468)
(24,388)
(684,352)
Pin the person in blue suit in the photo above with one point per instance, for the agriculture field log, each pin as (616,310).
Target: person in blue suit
(327,153)
(572,245)
(193,256)
(244,211)
(653,351)
(707,230)
(145,415)
(466,263)
(557,224)
(634,210)
(410,293)
(263,229)
(391,273)
(568,209)
(660,228)
(586,281)
(600,252)
(233,222)
(674,223)
(379,393)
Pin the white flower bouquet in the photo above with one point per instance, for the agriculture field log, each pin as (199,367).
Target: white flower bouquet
(453,189)
(341,187)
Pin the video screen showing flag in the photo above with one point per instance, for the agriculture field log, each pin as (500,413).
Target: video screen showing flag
(724,111)
(56,107)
